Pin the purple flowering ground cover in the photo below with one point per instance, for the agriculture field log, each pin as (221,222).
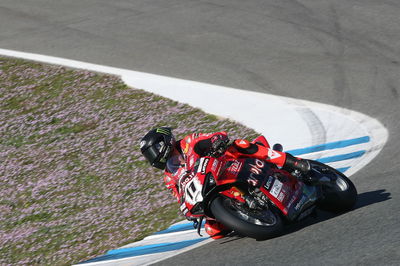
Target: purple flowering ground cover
(73,183)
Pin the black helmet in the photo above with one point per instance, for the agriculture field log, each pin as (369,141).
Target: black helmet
(157,146)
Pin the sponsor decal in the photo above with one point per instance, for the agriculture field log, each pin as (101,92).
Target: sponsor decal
(193,191)
(257,168)
(252,181)
(235,167)
(214,165)
(203,165)
(243,144)
(163,131)
(186,149)
(281,196)
(218,170)
(267,185)
(142,143)
(186,180)
(276,188)
(273,154)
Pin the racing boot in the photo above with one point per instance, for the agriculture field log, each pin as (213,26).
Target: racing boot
(215,229)
(303,166)
(297,164)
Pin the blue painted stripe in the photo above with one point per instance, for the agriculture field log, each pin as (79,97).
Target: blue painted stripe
(341,157)
(331,145)
(177,228)
(343,169)
(143,250)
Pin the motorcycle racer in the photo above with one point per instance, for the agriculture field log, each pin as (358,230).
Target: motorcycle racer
(177,159)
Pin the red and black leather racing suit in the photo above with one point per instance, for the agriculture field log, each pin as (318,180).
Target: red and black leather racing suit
(197,145)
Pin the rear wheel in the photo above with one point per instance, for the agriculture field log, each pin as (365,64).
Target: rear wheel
(339,195)
(258,224)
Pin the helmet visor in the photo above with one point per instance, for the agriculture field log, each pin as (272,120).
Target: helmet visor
(153,152)
(157,154)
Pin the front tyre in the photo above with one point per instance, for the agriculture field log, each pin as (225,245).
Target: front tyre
(258,224)
(340,195)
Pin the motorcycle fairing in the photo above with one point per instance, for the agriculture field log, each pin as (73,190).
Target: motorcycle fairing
(280,188)
(302,202)
(261,140)
(291,196)
(248,170)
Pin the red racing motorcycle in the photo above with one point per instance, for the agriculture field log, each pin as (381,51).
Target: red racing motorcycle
(255,198)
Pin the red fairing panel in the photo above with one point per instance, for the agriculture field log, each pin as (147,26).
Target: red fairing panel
(261,139)
(243,148)
(282,190)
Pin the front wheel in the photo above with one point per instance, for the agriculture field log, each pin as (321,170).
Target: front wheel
(258,224)
(340,194)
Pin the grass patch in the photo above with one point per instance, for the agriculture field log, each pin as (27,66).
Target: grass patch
(73,181)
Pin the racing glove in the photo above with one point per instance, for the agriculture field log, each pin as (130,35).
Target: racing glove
(219,144)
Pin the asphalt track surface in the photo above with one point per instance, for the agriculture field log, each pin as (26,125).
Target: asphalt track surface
(345,53)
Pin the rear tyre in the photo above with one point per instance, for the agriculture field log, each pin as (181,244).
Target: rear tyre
(339,196)
(260,225)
